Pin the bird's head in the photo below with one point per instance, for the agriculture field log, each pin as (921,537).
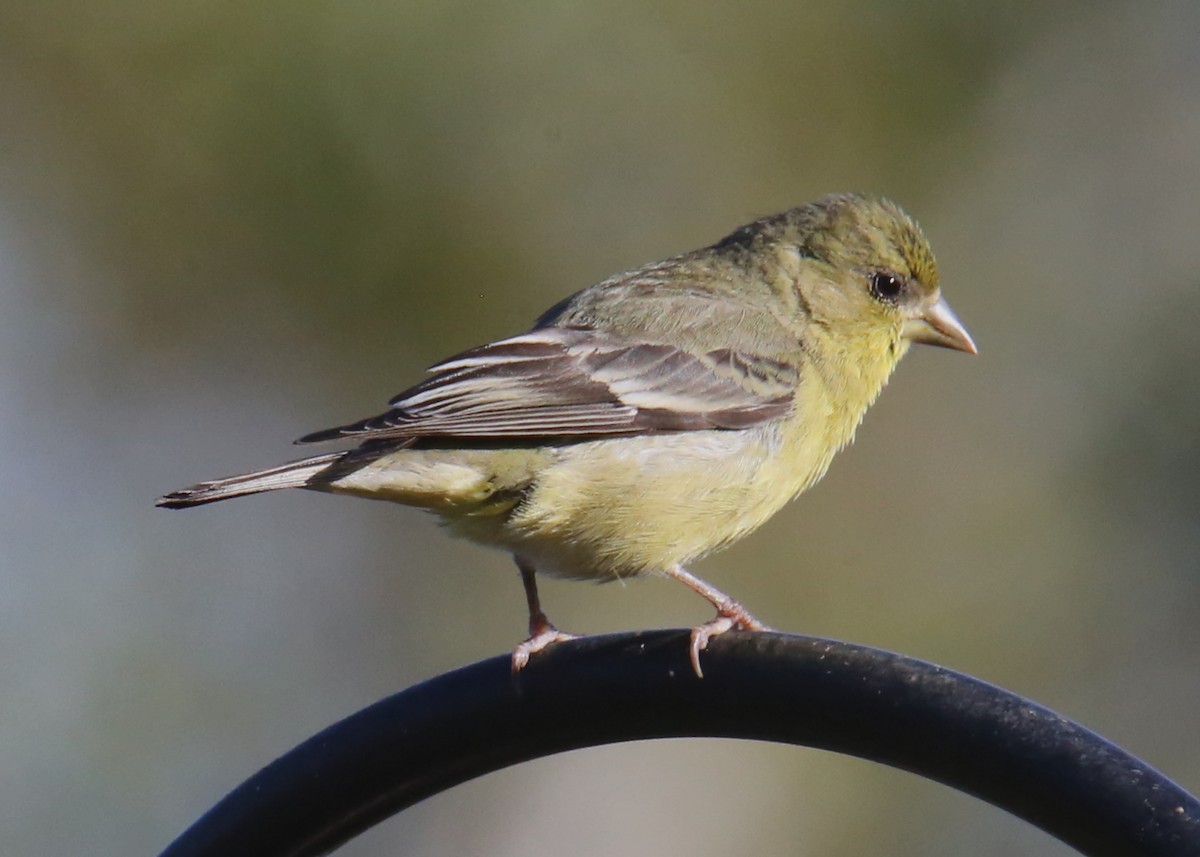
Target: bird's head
(863,268)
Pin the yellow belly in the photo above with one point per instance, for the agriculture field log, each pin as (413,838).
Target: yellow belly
(620,507)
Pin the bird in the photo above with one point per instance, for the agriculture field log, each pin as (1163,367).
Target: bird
(656,416)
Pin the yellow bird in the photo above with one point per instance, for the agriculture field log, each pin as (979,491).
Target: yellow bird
(656,416)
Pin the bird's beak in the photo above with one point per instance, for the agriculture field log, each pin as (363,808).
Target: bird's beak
(938,325)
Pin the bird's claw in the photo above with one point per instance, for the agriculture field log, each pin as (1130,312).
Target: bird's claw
(539,639)
(730,617)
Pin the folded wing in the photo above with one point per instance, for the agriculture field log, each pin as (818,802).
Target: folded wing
(576,383)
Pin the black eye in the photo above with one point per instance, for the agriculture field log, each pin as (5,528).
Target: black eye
(886,287)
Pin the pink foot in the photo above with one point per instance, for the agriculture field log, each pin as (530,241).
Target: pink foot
(546,636)
(729,617)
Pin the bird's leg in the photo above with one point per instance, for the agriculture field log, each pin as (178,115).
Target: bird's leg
(730,614)
(541,630)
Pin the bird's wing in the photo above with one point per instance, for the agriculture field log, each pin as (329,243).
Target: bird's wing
(563,382)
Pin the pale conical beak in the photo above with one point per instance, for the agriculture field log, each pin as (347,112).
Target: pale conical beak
(938,325)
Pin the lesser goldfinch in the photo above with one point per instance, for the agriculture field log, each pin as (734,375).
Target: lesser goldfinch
(655,416)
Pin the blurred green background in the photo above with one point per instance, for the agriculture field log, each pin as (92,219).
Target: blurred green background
(223,225)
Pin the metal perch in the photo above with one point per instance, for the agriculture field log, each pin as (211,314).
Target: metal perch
(836,696)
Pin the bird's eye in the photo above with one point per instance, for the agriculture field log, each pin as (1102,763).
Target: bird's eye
(886,287)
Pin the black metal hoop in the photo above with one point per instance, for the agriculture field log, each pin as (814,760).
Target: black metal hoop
(881,706)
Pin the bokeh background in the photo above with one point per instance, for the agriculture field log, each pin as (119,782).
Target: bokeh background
(223,225)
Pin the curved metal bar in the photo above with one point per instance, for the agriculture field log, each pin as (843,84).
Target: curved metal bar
(851,699)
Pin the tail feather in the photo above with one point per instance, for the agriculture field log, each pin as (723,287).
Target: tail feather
(294,474)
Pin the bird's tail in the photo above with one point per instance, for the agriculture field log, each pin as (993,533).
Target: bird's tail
(294,474)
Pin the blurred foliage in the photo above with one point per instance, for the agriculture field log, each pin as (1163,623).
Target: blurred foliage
(321,154)
(225,224)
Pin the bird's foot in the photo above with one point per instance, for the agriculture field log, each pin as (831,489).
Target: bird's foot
(730,616)
(540,637)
